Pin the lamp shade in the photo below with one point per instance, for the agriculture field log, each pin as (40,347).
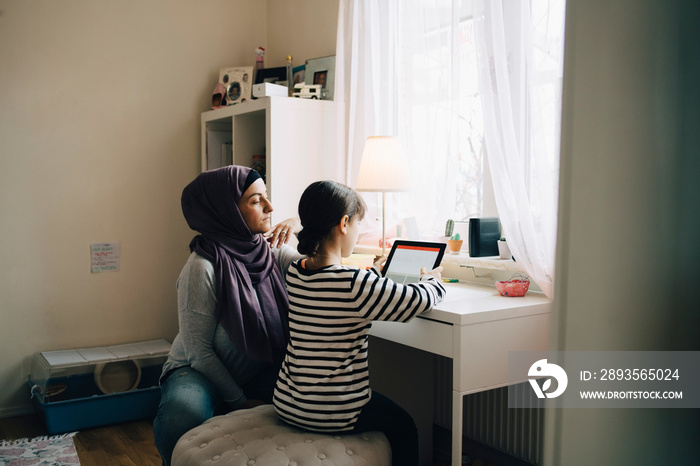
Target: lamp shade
(383,167)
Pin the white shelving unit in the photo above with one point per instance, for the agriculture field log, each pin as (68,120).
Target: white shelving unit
(295,135)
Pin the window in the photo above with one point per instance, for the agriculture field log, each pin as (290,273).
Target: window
(472,88)
(471,187)
(442,119)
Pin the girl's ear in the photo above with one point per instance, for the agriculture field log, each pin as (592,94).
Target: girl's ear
(344,224)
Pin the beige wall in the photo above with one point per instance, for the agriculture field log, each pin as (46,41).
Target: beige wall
(99,132)
(303,29)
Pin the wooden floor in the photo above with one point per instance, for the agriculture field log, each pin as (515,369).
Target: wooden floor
(128,444)
(131,444)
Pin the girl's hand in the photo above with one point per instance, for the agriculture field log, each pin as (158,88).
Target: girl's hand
(436,272)
(280,233)
(379,262)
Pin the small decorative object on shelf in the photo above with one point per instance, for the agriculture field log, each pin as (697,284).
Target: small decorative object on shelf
(516,286)
(307,91)
(449,227)
(259,64)
(503,249)
(454,244)
(298,72)
(290,76)
(218,97)
(259,165)
(238,82)
(449,231)
(259,58)
(277,75)
(321,71)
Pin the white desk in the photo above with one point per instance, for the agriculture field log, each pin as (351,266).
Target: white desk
(471,318)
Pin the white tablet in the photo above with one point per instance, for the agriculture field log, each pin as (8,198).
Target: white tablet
(407,257)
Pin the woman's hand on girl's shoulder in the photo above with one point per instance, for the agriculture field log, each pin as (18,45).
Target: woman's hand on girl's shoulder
(280,233)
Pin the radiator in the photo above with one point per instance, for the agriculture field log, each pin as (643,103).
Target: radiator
(487,419)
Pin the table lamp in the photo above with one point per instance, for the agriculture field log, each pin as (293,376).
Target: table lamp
(383,169)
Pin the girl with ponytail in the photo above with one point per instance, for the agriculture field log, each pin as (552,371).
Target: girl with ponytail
(324,381)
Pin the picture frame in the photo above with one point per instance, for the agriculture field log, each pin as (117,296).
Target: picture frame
(321,71)
(238,83)
(271,75)
(298,74)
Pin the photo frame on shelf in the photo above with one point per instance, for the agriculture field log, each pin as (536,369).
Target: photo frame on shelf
(298,73)
(238,83)
(321,71)
(271,75)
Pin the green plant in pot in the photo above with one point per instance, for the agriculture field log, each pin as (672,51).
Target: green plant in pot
(449,228)
(454,244)
(449,231)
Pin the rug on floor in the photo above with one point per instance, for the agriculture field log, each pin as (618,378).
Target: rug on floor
(57,450)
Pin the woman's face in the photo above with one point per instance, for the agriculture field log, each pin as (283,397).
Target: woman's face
(255,207)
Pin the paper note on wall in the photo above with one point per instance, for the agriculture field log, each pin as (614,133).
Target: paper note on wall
(104,257)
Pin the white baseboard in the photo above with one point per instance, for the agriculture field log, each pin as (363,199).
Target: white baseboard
(17,411)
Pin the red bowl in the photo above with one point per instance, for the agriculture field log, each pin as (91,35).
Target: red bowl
(513,287)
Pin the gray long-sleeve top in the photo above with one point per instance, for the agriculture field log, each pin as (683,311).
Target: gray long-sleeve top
(202,343)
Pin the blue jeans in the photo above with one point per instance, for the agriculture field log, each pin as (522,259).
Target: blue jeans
(188,399)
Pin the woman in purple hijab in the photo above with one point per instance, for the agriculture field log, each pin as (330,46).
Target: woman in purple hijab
(232,305)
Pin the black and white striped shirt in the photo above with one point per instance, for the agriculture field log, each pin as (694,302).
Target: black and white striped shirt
(324,380)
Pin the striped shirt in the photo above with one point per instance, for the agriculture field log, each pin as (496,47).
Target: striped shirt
(324,380)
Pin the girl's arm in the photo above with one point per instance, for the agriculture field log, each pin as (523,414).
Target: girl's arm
(380,298)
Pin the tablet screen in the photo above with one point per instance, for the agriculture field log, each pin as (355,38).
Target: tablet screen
(407,257)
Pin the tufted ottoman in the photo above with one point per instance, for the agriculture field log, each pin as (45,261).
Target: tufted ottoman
(259,437)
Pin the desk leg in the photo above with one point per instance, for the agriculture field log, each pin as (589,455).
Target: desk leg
(457,420)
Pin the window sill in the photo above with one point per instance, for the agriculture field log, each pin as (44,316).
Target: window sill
(462,268)
(462,260)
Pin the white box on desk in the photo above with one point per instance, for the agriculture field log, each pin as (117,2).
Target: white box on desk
(268,89)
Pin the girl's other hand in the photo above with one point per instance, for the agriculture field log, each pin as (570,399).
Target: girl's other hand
(436,272)
(280,233)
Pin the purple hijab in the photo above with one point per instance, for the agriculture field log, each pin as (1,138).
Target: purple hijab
(243,264)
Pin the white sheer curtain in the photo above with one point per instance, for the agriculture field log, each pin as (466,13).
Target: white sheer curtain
(520,56)
(400,71)
(395,76)
(365,76)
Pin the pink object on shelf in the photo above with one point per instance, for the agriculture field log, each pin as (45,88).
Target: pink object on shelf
(513,287)
(218,97)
